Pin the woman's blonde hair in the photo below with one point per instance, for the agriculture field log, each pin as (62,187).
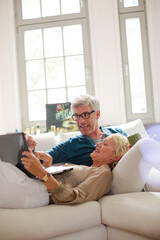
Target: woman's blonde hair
(121,144)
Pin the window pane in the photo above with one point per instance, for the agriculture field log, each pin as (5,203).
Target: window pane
(131,3)
(70,6)
(55,73)
(35,74)
(36,102)
(31,9)
(73,42)
(50,8)
(136,68)
(53,42)
(57,95)
(33,44)
(75,73)
(74,92)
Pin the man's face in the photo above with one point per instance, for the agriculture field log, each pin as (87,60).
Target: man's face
(87,126)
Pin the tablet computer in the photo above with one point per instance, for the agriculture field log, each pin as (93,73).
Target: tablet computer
(11,148)
(58,169)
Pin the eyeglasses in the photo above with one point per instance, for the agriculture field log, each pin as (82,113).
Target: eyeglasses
(84,115)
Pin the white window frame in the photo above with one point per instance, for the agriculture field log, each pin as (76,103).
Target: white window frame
(123,9)
(40,23)
(126,13)
(20,21)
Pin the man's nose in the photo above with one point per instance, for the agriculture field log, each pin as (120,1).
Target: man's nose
(81,119)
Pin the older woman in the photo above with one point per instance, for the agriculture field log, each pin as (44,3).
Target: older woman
(136,167)
(80,185)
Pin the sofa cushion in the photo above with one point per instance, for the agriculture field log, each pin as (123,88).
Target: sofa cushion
(135,212)
(45,141)
(48,222)
(118,234)
(153,181)
(94,233)
(64,136)
(133,127)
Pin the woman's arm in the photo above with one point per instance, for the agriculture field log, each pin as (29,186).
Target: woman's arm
(33,165)
(94,186)
(97,184)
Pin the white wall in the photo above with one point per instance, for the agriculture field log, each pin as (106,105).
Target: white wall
(107,64)
(153,15)
(9,107)
(106,54)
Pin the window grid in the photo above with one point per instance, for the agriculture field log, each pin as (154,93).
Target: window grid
(27,91)
(126,14)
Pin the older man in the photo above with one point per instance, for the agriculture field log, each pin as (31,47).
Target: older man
(77,150)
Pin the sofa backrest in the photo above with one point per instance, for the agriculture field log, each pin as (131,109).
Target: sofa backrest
(46,141)
(133,127)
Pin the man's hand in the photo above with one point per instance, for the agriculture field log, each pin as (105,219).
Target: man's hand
(31,142)
(47,159)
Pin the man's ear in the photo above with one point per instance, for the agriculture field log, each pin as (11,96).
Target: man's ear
(98,114)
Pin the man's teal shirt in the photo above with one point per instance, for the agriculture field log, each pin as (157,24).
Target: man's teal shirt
(77,150)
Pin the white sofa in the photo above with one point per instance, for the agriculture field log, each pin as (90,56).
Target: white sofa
(131,216)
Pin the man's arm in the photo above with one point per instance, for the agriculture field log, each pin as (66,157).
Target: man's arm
(45,157)
(60,152)
(31,143)
(110,130)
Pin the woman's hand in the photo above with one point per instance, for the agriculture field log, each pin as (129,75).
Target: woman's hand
(32,164)
(47,159)
(31,142)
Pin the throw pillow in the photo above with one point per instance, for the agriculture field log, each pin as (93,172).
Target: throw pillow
(45,141)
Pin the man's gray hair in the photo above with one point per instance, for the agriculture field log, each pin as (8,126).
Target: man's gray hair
(121,144)
(86,100)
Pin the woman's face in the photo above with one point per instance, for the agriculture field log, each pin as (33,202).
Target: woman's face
(104,152)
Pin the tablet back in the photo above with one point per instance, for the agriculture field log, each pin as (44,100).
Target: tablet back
(11,148)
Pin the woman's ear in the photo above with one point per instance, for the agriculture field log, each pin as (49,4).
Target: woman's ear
(115,158)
